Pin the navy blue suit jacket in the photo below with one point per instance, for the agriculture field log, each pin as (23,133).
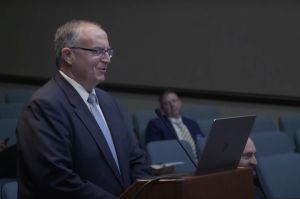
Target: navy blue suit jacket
(62,152)
(162,129)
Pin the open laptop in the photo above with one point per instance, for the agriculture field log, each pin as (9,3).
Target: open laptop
(225,144)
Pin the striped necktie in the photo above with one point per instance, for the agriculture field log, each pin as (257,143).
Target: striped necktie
(186,135)
(92,100)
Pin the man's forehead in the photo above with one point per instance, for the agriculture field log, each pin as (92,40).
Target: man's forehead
(250,148)
(90,28)
(92,34)
(170,96)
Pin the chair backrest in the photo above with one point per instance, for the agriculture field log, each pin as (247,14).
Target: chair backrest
(263,124)
(279,175)
(289,124)
(205,125)
(10,110)
(9,190)
(7,130)
(140,120)
(269,143)
(166,151)
(126,115)
(5,180)
(200,112)
(200,144)
(18,95)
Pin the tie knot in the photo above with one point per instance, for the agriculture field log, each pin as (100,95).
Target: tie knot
(178,122)
(92,99)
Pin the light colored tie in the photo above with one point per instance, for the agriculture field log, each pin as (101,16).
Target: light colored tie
(186,135)
(92,100)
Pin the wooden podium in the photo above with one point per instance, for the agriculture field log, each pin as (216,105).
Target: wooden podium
(233,184)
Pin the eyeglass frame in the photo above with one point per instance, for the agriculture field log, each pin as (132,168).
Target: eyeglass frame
(97,51)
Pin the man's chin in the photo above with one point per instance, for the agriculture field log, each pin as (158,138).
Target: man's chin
(100,79)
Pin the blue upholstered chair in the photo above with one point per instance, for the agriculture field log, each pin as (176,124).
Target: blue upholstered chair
(270,143)
(167,151)
(7,130)
(290,124)
(279,175)
(20,95)
(200,112)
(140,120)
(205,125)
(125,113)
(10,110)
(263,124)
(9,190)
(5,180)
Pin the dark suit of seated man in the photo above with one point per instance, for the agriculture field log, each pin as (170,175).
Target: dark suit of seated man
(174,125)
(72,138)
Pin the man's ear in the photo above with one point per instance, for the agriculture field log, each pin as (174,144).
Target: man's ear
(66,55)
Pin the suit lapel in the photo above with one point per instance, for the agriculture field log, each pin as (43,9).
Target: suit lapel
(84,114)
(171,134)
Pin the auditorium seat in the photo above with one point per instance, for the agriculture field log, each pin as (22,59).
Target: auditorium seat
(140,120)
(9,190)
(200,143)
(263,124)
(200,112)
(290,124)
(10,110)
(126,115)
(5,180)
(166,151)
(279,175)
(7,130)
(20,95)
(205,125)
(270,143)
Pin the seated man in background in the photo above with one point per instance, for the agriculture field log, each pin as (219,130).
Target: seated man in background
(173,125)
(248,159)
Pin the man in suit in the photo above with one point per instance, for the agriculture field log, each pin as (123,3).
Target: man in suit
(72,139)
(167,128)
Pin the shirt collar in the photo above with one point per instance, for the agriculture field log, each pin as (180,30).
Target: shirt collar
(79,88)
(173,119)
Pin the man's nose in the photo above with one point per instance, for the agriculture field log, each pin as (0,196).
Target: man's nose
(106,58)
(253,161)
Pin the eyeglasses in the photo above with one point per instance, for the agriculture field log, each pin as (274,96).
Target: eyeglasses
(97,51)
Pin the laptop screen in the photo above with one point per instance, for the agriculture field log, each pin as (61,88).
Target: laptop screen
(225,144)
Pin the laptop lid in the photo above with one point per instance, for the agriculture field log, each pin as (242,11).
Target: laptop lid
(225,144)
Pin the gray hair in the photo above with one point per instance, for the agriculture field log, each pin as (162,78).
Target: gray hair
(67,35)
